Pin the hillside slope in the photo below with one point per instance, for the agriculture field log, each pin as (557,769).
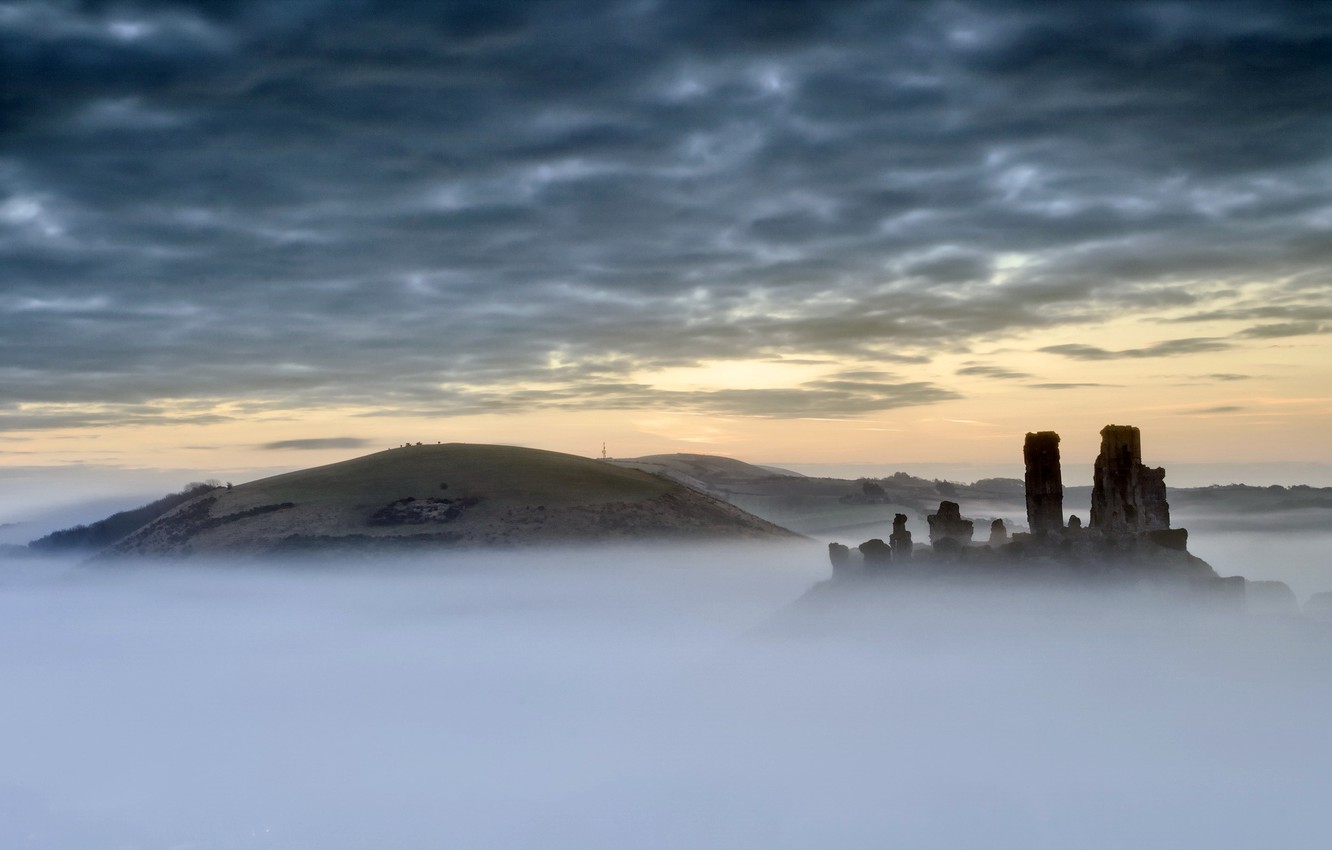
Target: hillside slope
(808,505)
(98,535)
(455,494)
(713,474)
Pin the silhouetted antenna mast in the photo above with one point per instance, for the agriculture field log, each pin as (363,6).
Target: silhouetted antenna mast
(603,451)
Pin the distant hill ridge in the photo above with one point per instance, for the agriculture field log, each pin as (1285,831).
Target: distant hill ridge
(826,506)
(713,474)
(453,494)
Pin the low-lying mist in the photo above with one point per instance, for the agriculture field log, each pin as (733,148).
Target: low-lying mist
(661,698)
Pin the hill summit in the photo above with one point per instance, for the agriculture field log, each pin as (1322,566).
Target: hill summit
(453,494)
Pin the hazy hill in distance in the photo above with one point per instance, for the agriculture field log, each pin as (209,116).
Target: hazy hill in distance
(820,506)
(839,506)
(706,473)
(454,494)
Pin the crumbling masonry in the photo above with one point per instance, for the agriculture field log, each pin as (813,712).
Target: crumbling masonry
(1127,497)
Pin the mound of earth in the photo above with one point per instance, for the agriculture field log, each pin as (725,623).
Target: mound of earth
(454,495)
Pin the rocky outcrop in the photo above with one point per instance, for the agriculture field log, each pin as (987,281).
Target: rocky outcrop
(1170,538)
(998,533)
(1127,497)
(876,553)
(947,524)
(1044,483)
(900,540)
(840,557)
(412,511)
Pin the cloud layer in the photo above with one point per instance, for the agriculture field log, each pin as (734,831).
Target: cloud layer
(466,208)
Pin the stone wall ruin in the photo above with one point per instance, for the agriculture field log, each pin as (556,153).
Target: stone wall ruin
(1127,496)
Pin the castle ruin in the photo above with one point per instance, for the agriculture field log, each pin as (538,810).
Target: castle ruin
(1129,525)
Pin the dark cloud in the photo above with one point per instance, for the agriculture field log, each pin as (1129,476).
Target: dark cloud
(318,443)
(864,375)
(1211,411)
(987,371)
(830,399)
(415,205)
(1284,329)
(950,266)
(100,417)
(1056,385)
(1259,312)
(1167,348)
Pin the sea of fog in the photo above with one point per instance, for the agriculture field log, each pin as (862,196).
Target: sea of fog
(657,698)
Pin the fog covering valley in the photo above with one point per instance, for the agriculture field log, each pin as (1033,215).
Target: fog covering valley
(650,698)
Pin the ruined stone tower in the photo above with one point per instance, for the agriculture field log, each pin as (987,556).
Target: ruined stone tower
(1127,497)
(1045,484)
(900,540)
(949,523)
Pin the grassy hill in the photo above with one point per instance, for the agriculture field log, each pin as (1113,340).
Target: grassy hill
(453,495)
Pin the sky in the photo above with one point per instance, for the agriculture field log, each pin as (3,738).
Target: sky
(247,235)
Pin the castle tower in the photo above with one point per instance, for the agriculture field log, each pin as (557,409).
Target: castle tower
(1127,497)
(1044,483)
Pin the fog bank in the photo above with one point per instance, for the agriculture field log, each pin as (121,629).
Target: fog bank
(653,699)
(1179,473)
